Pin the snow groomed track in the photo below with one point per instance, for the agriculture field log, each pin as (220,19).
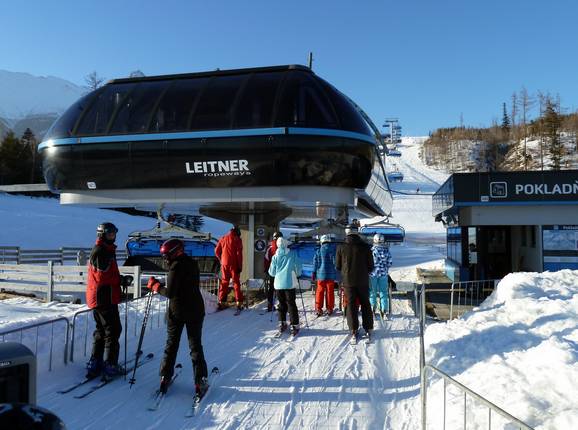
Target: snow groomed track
(317,380)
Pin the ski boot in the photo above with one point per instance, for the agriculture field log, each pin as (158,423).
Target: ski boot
(221,306)
(164,386)
(94,367)
(294,330)
(112,370)
(201,388)
(319,313)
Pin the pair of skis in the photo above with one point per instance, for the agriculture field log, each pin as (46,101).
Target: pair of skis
(159,397)
(102,382)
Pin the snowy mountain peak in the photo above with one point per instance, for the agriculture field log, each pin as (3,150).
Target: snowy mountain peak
(22,94)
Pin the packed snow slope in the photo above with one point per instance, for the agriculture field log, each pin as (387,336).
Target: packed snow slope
(316,380)
(42,223)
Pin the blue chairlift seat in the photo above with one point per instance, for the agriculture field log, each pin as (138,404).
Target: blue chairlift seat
(392,233)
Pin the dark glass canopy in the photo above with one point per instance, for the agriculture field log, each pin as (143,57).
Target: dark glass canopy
(283,96)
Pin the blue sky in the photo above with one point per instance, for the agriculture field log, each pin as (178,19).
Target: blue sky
(424,61)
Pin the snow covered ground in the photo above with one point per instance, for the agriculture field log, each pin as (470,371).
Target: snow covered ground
(519,348)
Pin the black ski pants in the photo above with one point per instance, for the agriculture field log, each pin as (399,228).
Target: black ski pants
(107,333)
(352,294)
(194,334)
(287,303)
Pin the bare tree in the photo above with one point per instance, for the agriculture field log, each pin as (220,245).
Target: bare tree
(93,81)
(525,103)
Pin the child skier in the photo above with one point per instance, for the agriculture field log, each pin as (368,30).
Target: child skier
(382,262)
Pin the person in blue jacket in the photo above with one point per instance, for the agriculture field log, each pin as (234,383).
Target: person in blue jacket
(325,274)
(379,276)
(285,268)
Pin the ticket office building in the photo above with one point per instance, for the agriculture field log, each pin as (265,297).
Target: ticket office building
(503,222)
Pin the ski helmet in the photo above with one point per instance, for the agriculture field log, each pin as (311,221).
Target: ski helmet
(25,416)
(378,238)
(277,235)
(325,238)
(172,248)
(104,228)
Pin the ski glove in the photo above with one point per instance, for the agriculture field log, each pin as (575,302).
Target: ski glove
(126,280)
(153,284)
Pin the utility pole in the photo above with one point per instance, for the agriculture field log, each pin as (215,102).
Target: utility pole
(310,61)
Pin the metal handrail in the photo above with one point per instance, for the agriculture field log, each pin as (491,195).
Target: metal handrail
(31,326)
(136,300)
(491,406)
(466,290)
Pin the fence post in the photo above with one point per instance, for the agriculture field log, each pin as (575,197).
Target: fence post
(50,283)
(136,284)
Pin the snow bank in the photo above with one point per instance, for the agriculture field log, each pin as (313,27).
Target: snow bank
(519,349)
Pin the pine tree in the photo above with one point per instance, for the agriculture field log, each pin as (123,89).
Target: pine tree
(15,161)
(551,124)
(29,140)
(505,122)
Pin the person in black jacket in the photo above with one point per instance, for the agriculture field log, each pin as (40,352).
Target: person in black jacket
(355,262)
(186,308)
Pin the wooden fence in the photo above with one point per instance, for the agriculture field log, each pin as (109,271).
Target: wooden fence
(49,279)
(17,255)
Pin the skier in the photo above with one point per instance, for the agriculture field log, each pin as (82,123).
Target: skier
(229,252)
(379,277)
(103,294)
(355,262)
(325,274)
(186,308)
(269,253)
(285,267)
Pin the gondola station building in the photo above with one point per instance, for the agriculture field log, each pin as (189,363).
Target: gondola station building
(503,222)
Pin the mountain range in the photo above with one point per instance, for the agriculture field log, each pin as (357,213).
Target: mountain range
(28,101)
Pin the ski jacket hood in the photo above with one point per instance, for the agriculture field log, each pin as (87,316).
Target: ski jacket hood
(285,266)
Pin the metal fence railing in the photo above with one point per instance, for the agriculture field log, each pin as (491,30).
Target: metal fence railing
(513,422)
(467,294)
(82,325)
(25,336)
(420,309)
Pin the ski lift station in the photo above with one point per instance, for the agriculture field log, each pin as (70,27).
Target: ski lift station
(503,222)
(252,147)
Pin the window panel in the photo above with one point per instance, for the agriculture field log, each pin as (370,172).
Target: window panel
(255,108)
(134,114)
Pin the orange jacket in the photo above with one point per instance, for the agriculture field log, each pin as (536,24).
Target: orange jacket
(103,287)
(229,251)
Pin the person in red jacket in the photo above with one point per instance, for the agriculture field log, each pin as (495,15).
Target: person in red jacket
(229,251)
(269,253)
(103,294)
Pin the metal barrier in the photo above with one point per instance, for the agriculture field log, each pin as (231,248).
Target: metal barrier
(420,309)
(32,326)
(470,293)
(491,407)
(159,309)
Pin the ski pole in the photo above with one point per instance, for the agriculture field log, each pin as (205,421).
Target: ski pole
(125,326)
(132,380)
(303,303)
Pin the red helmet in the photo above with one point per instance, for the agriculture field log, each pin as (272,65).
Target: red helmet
(172,248)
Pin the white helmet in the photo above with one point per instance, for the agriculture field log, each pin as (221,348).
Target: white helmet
(378,238)
(325,238)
